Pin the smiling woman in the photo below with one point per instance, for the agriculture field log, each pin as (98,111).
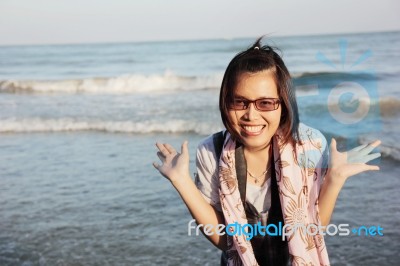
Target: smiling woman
(255,126)
(266,168)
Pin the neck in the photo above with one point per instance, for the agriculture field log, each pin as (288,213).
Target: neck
(258,162)
(263,151)
(257,159)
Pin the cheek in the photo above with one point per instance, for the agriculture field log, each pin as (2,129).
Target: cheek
(274,118)
(279,116)
(233,116)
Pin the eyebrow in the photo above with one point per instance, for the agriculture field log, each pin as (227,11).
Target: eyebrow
(244,98)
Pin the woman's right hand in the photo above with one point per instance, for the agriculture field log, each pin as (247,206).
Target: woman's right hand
(174,165)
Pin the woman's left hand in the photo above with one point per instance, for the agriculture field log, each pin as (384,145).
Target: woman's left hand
(342,165)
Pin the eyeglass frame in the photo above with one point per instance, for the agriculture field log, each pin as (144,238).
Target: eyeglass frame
(247,102)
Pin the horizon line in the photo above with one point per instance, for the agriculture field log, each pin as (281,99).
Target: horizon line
(271,35)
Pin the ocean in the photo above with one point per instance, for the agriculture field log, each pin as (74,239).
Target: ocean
(78,126)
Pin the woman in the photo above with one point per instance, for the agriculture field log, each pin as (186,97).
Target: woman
(266,168)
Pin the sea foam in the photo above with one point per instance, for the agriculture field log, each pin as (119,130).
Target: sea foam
(130,83)
(27,125)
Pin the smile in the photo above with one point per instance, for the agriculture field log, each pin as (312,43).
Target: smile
(252,130)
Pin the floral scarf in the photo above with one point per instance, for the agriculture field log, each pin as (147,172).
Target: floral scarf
(298,173)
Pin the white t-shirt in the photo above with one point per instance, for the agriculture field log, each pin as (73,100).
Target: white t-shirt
(207,180)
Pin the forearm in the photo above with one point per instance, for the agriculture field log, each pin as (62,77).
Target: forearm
(200,209)
(328,195)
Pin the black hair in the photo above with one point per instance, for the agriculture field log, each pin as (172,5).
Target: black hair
(255,59)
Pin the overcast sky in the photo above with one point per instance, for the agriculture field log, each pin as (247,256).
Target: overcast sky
(83,21)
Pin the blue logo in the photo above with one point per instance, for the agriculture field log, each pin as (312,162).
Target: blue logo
(344,101)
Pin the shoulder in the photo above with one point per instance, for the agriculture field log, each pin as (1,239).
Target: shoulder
(313,144)
(309,135)
(206,178)
(206,154)
(206,143)
(315,151)
(206,147)
(306,132)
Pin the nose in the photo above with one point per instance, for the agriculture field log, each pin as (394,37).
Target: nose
(251,112)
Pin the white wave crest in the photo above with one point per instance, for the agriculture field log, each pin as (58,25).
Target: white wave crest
(115,85)
(388,148)
(68,124)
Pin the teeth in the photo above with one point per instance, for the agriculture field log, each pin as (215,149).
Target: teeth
(253,129)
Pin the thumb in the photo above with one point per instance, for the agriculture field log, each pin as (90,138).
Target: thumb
(333,145)
(184,148)
(372,167)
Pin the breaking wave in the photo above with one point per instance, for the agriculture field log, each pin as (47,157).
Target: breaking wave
(132,83)
(28,125)
(114,85)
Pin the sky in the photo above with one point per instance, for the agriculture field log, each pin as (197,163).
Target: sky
(93,21)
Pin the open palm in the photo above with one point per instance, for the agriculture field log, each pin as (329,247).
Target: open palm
(174,165)
(342,165)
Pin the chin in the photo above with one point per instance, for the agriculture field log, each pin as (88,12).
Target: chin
(257,144)
(257,141)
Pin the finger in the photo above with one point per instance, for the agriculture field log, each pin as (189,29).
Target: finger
(370,157)
(376,143)
(371,167)
(162,149)
(169,148)
(333,145)
(184,148)
(370,147)
(156,165)
(161,156)
(358,148)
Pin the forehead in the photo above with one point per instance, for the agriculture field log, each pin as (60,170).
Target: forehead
(256,85)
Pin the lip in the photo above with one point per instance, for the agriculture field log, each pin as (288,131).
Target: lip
(252,130)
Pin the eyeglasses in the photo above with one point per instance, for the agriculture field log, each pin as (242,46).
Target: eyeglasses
(263,104)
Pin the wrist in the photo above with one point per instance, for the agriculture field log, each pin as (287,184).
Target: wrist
(181,181)
(334,179)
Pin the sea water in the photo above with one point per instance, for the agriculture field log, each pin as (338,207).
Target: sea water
(78,124)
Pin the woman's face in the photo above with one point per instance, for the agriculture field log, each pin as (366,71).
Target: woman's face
(256,128)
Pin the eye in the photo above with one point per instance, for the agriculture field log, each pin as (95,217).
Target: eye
(239,102)
(266,103)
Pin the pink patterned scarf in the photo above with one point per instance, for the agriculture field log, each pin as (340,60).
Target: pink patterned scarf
(298,183)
